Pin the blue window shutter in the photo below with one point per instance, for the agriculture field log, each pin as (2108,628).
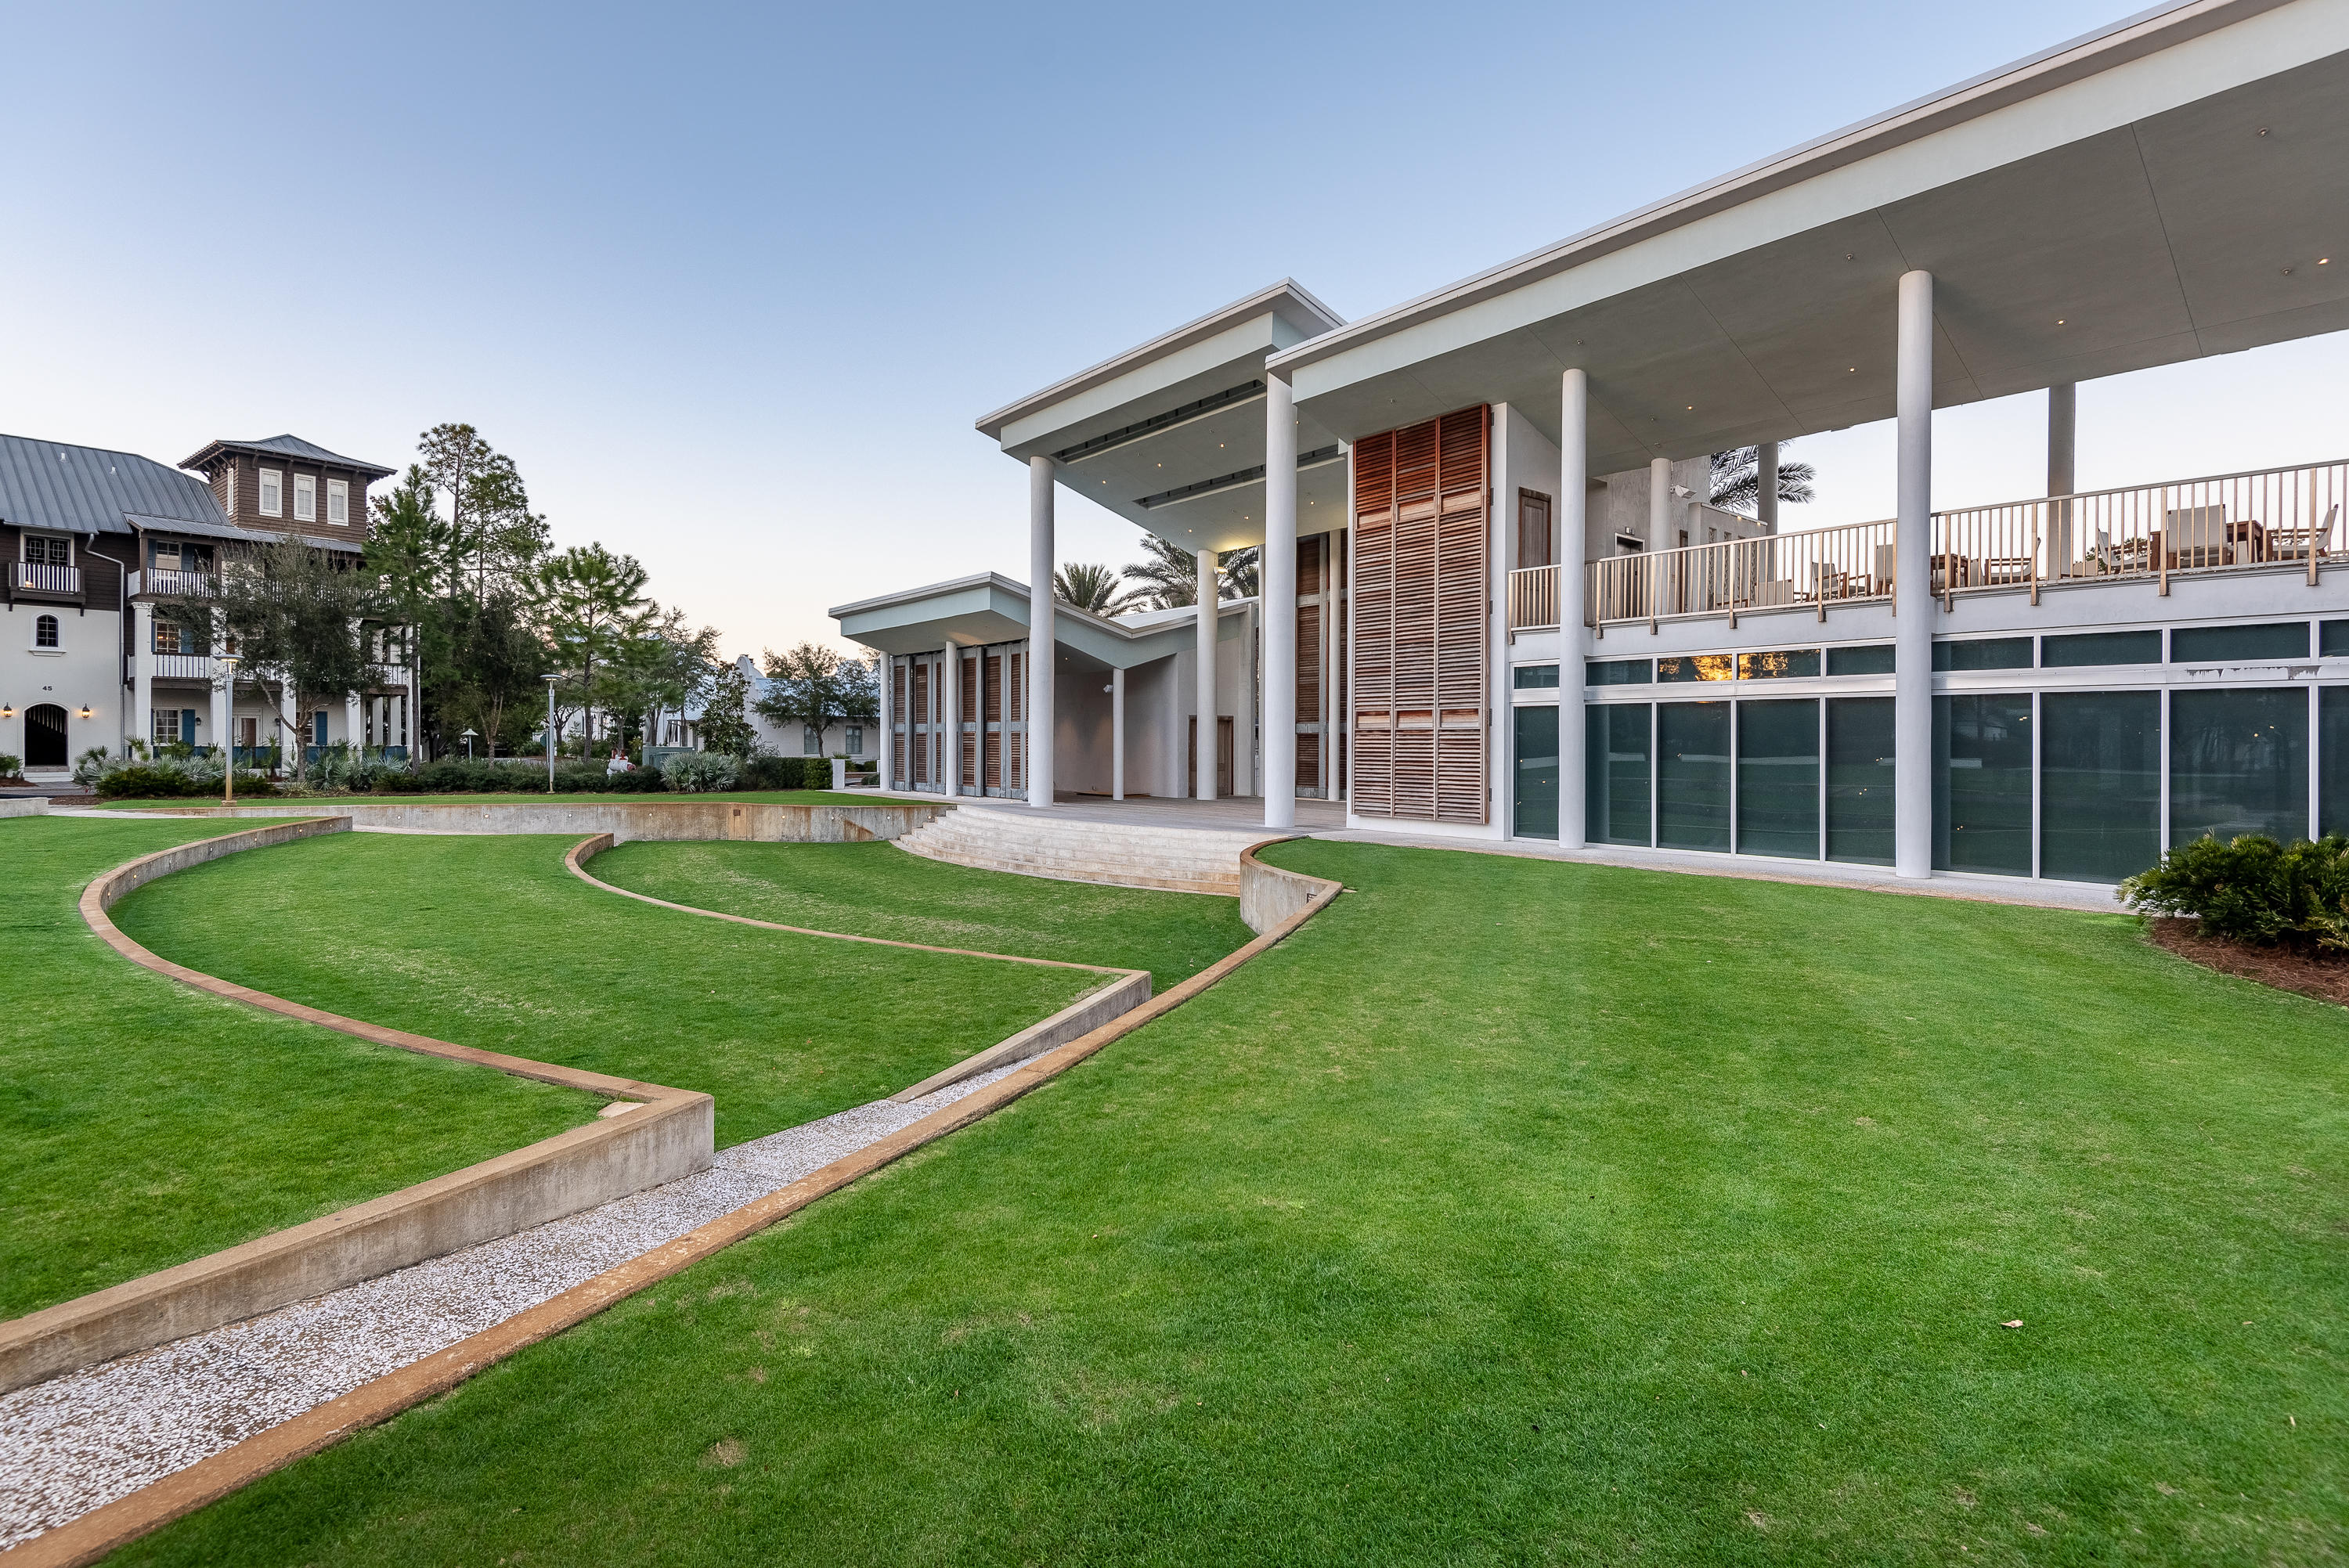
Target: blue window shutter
(187,727)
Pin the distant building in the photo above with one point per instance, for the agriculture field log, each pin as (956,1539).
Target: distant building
(95,540)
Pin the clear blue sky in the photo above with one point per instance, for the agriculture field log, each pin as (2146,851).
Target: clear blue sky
(732,285)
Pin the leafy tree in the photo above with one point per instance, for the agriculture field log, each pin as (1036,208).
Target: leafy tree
(491,532)
(298,614)
(1168,577)
(659,669)
(596,605)
(1095,589)
(500,660)
(1738,480)
(725,715)
(814,686)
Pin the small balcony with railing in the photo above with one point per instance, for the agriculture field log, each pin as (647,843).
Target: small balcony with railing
(2273,520)
(46,582)
(201,667)
(163,583)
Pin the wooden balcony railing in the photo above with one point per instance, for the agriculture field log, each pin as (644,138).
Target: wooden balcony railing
(2265,517)
(172,584)
(2226,522)
(1824,566)
(43,577)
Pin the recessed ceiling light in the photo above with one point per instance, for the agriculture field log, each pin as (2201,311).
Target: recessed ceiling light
(1855,370)
(1692,407)
(2059,321)
(2287,271)
(2263,131)
(2324,261)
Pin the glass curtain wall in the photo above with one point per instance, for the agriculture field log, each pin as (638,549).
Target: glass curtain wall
(1615,773)
(1859,779)
(2239,763)
(2099,784)
(1693,780)
(1536,753)
(2332,755)
(1779,778)
(1981,784)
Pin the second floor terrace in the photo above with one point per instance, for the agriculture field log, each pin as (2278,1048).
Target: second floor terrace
(2278,521)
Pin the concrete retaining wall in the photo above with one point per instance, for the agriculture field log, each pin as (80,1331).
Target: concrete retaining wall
(669,1133)
(669,819)
(24,806)
(1270,897)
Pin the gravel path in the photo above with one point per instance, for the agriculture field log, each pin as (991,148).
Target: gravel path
(78,1441)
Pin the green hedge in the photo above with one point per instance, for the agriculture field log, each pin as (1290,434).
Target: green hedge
(2253,889)
(142,782)
(459,777)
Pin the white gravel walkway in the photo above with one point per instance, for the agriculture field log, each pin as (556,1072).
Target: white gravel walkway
(81,1440)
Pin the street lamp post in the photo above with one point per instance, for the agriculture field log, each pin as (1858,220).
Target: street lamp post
(468,738)
(550,731)
(228,747)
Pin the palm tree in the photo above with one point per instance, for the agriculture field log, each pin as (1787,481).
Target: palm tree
(1091,588)
(1168,577)
(1738,480)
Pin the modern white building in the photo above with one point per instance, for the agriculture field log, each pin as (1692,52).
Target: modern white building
(94,542)
(2054,685)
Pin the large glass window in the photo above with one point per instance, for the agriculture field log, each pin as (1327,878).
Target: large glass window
(1693,775)
(2239,763)
(2099,784)
(2332,760)
(1698,667)
(1534,677)
(1779,778)
(1981,783)
(2332,639)
(1779,664)
(1859,779)
(1866,659)
(1984,653)
(2071,651)
(1615,773)
(2224,645)
(1536,796)
(1617,672)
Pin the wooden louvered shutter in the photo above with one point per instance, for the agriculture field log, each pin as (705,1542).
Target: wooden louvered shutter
(968,723)
(920,713)
(1421,697)
(900,721)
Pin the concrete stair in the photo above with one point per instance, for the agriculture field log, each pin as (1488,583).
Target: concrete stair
(1066,849)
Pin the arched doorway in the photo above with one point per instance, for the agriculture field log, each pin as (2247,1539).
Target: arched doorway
(44,736)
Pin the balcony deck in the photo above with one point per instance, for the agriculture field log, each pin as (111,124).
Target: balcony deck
(2223,524)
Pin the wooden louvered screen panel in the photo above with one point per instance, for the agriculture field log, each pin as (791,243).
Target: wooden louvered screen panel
(968,723)
(992,725)
(1421,698)
(899,720)
(920,713)
(1308,693)
(1015,722)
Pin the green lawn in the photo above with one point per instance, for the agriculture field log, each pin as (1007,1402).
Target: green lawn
(877,890)
(293,804)
(1511,1211)
(487,941)
(143,1123)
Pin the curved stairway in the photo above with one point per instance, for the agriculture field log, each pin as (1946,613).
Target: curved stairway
(1067,849)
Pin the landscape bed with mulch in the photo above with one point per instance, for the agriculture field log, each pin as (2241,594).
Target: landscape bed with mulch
(2286,968)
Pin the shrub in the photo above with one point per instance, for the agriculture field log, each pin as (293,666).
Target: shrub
(701,772)
(2253,889)
(10,767)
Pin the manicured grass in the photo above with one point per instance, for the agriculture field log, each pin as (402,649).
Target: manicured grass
(1510,1211)
(143,1123)
(293,804)
(877,890)
(487,941)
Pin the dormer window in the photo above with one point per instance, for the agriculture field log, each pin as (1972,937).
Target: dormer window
(272,493)
(305,498)
(339,502)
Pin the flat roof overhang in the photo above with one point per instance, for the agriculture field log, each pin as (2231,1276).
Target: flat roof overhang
(971,611)
(1170,435)
(2160,191)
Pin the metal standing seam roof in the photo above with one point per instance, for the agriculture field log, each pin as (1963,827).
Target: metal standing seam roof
(287,446)
(88,490)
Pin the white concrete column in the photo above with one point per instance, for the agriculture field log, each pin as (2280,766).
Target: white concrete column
(1203,786)
(888,722)
(951,664)
(1573,486)
(1042,639)
(2062,422)
(142,679)
(1278,575)
(1765,494)
(1912,632)
(1660,505)
(1117,734)
(354,731)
